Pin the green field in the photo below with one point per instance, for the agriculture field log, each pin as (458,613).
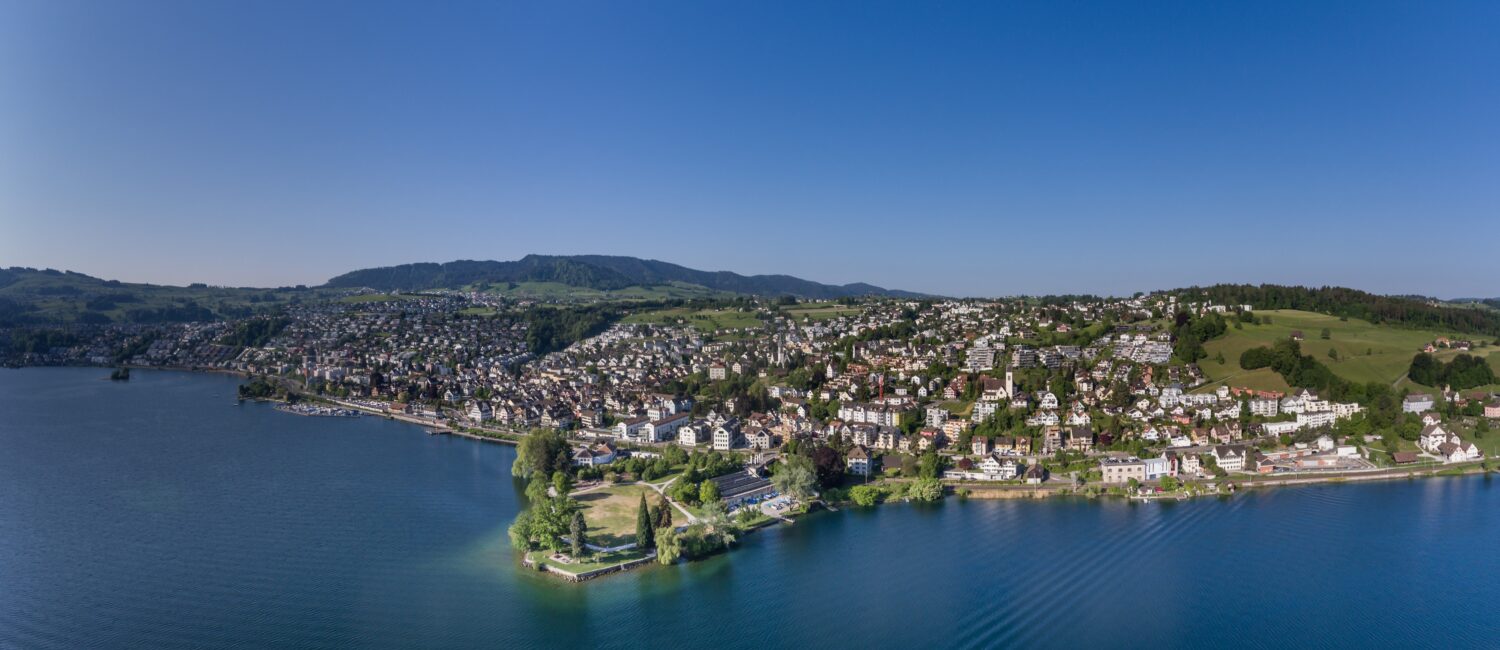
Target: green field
(958,409)
(374,297)
(706,320)
(820,311)
(557,291)
(610,512)
(1366,352)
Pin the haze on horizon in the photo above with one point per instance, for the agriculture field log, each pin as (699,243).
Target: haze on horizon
(955,148)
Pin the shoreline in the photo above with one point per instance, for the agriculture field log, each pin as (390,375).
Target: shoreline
(432,425)
(1014,491)
(1009,491)
(962,490)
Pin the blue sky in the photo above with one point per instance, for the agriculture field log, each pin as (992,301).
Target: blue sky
(958,148)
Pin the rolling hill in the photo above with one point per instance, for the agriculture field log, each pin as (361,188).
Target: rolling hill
(1366,351)
(33,297)
(598,272)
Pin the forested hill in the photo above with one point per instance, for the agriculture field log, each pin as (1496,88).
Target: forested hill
(1340,301)
(601,272)
(46,296)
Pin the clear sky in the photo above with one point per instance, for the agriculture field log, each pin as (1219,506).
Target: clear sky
(963,148)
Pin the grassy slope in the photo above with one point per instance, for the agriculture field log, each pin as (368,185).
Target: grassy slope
(820,311)
(375,297)
(560,291)
(1367,352)
(706,320)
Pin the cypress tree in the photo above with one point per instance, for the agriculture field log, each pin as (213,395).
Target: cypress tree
(578,531)
(643,525)
(665,518)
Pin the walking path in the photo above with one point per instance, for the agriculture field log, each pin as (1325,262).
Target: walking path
(661,489)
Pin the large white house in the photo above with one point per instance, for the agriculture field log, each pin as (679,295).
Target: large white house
(1416,403)
(1231,458)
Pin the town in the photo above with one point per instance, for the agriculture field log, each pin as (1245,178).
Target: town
(746,411)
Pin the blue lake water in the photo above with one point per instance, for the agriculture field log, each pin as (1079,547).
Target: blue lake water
(157,514)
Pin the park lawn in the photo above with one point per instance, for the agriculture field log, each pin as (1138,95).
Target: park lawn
(1366,352)
(706,320)
(610,512)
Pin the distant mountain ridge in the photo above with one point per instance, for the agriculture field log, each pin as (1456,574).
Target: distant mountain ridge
(602,272)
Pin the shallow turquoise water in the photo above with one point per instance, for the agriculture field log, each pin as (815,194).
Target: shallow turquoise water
(155,513)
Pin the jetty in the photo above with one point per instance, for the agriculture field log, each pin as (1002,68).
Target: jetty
(315,410)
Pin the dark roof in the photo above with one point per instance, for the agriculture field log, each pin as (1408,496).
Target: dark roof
(739,483)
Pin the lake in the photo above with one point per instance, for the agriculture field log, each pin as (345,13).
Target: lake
(156,513)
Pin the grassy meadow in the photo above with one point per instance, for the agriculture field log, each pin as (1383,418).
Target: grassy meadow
(1366,352)
(557,291)
(820,311)
(706,320)
(610,512)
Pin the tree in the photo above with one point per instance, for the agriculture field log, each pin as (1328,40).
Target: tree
(562,483)
(1212,465)
(536,491)
(663,514)
(1168,483)
(668,545)
(828,465)
(643,536)
(685,491)
(866,495)
(708,492)
(1258,357)
(1333,354)
(795,476)
(577,532)
(925,489)
(520,531)
(543,451)
(930,465)
(1482,427)
(1325,334)
(1464,371)
(545,523)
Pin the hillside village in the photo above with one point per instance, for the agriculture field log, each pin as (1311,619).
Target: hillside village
(739,412)
(1078,393)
